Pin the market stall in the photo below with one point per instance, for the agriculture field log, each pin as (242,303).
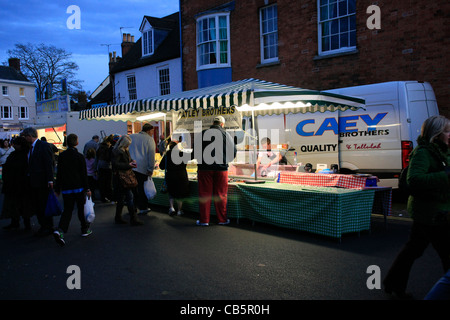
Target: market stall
(328,210)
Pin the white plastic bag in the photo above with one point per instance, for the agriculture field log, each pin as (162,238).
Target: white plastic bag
(149,188)
(89,213)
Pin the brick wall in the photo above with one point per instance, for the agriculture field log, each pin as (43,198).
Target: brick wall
(412,44)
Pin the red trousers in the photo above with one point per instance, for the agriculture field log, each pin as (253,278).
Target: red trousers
(212,185)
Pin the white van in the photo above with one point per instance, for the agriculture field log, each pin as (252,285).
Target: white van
(377,140)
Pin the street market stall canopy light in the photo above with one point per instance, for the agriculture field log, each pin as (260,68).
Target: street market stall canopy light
(251,96)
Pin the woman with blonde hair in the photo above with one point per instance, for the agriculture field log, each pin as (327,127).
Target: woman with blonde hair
(428,180)
(121,161)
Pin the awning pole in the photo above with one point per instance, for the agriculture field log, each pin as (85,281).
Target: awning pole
(255,157)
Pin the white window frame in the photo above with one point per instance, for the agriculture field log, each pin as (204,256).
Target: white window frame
(148,44)
(5,90)
(341,23)
(164,80)
(272,33)
(200,43)
(10,114)
(25,111)
(131,87)
(21,91)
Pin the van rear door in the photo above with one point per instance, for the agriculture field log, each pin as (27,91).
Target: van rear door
(422,104)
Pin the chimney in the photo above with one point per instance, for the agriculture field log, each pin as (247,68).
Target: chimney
(127,43)
(112,60)
(14,63)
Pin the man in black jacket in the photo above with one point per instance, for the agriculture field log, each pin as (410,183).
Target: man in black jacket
(40,178)
(218,149)
(72,182)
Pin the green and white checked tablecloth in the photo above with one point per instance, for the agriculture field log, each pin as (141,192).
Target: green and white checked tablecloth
(321,210)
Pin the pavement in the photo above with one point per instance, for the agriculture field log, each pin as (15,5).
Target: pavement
(170,258)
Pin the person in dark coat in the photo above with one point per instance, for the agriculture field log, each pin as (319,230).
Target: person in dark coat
(14,176)
(121,161)
(428,179)
(176,178)
(104,169)
(213,171)
(72,182)
(40,178)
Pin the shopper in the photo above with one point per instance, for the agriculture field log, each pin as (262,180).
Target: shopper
(121,161)
(91,171)
(176,178)
(142,150)
(93,143)
(212,172)
(72,182)
(104,169)
(5,150)
(428,204)
(14,176)
(40,178)
(162,145)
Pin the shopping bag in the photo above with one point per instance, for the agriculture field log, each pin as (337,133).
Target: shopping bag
(89,212)
(53,207)
(149,188)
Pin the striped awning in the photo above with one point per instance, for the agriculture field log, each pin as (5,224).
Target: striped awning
(248,95)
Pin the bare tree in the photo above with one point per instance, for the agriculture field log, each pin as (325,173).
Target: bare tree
(46,64)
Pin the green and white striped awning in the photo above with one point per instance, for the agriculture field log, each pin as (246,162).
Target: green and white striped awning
(249,95)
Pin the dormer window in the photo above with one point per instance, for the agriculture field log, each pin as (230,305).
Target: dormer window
(147,42)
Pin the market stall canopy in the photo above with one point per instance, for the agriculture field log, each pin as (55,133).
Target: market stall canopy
(249,95)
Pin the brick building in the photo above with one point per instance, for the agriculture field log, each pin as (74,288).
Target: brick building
(321,44)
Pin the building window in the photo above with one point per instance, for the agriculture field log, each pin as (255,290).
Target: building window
(164,81)
(23,113)
(269,34)
(131,81)
(5,90)
(147,43)
(213,45)
(22,92)
(337,26)
(6,112)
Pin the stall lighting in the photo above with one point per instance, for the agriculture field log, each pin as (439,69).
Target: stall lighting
(273,106)
(151,116)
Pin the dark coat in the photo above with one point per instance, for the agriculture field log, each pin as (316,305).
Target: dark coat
(14,176)
(14,172)
(224,153)
(429,183)
(103,157)
(72,172)
(40,166)
(176,176)
(120,160)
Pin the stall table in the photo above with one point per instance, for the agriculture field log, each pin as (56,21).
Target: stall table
(321,210)
(323,180)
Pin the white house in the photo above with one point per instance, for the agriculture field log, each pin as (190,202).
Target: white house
(151,66)
(17,99)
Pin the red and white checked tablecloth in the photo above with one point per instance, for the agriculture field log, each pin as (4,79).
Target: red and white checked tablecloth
(322,180)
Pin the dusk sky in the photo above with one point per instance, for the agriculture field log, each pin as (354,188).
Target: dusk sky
(100,23)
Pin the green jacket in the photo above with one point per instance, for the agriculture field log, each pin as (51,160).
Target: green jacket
(429,183)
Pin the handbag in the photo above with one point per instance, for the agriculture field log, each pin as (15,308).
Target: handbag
(164,188)
(128,179)
(53,207)
(89,212)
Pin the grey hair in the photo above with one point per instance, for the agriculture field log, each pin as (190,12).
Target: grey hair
(433,127)
(123,143)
